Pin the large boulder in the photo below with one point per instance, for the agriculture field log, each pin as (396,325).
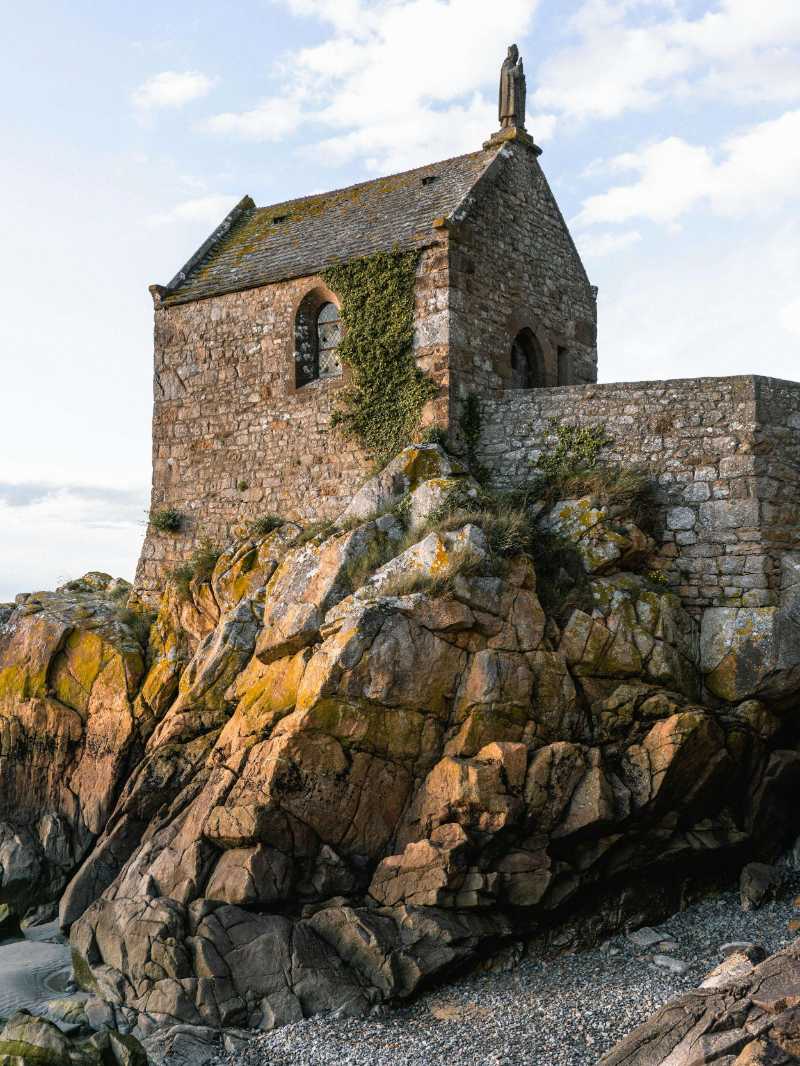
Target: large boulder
(752,1020)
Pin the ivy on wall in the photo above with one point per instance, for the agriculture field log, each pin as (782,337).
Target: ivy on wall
(382,406)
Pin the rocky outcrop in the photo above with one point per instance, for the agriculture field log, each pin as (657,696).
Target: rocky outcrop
(71,666)
(351,762)
(752,1018)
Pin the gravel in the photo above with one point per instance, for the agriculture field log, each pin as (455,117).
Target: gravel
(566,1011)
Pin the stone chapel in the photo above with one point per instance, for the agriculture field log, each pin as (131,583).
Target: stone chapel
(246,333)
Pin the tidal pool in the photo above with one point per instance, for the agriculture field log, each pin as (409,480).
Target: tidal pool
(33,969)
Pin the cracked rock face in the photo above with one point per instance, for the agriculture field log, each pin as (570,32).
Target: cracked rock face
(316,793)
(750,1019)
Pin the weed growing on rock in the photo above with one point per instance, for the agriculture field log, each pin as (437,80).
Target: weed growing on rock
(409,582)
(470,423)
(140,622)
(204,559)
(434,435)
(200,565)
(265,524)
(166,520)
(322,529)
(181,577)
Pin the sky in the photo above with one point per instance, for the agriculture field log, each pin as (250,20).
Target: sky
(671,137)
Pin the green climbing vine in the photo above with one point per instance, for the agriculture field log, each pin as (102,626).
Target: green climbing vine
(381,409)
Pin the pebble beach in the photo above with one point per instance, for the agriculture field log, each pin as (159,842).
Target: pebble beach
(567,1011)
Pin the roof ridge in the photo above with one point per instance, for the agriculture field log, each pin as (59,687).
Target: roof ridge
(381,177)
(255,246)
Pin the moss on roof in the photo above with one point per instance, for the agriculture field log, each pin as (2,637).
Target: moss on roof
(305,236)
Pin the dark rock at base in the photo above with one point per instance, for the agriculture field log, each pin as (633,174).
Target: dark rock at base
(758,884)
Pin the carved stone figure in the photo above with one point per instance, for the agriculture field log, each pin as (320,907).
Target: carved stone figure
(512,91)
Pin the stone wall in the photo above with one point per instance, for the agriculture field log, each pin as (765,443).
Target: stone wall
(724,456)
(513,265)
(233,438)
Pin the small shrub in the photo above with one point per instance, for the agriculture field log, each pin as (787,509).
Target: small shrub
(139,622)
(576,451)
(434,435)
(657,577)
(181,577)
(316,529)
(242,485)
(204,559)
(166,520)
(470,423)
(265,524)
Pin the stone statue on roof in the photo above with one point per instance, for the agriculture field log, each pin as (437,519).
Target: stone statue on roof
(512,91)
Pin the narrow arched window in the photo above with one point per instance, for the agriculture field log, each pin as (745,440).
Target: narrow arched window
(527,361)
(317,335)
(329,334)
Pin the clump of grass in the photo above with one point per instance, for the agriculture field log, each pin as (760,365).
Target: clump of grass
(204,559)
(507,519)
(200,566)
(265,524)
(165,520)
(242,485)
(657,577)
(140,622)
(434,435)
(181,577)
(462,562)
(377,552)
(316,529)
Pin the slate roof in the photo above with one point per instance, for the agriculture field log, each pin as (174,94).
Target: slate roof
(257,245)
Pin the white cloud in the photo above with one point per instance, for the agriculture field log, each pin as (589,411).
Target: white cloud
(790,317)
(632,54)
(209,210)
(757,171)
(598,245)
(171,89)
(396,81)
(269,120)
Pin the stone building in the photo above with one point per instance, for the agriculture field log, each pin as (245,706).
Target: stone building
(246,370)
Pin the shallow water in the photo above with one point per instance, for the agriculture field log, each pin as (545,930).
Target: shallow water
(33,969)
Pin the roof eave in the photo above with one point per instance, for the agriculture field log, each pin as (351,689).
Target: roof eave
(245,204)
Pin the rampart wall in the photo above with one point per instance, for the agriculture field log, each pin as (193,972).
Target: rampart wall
(724,458)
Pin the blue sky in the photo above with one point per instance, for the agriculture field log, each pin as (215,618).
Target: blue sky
(671,132)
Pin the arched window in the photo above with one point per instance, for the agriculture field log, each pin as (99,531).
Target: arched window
(527,361)
(317,334)
(329,334)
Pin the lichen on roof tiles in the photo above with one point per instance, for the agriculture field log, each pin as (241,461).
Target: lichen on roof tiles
(304,236)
